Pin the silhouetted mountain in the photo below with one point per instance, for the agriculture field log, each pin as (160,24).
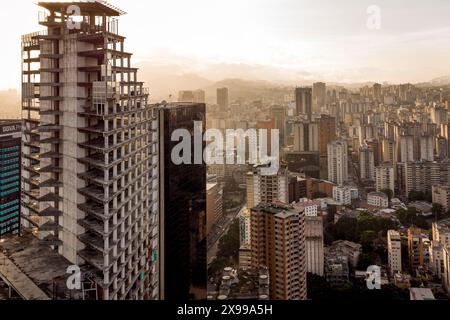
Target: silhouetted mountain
(166,80)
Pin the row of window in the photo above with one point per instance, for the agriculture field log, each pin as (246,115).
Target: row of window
(12,209)
(8,186)
(5,169)
(7,193)
(6,162)
(8,174)
(9,216)
(8,180)
(8,204)
(4,150)
(7,227)
(9,155)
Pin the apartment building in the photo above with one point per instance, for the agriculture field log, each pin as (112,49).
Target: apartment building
(278,243)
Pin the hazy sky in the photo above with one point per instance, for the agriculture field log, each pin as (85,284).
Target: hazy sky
(288,39)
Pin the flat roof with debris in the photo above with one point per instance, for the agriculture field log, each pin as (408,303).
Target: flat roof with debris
(34,270)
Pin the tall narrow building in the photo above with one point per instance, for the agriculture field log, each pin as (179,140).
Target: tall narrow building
(319,96)
(223,99)
(183,205)
(327,134)
(338,162)
(90,149)
(278,243)
(366,163)
(303,102)
(394,252)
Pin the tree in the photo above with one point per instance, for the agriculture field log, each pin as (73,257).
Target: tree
(229,244)
(437,210)
(365,261)
(367,239)
(346,229)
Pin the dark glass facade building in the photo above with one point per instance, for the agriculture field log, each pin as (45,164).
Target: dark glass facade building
(10,177)
(182,207)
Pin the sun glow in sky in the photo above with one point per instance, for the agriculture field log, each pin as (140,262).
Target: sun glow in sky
(293,39)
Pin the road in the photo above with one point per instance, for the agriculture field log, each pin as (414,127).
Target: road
(219,230)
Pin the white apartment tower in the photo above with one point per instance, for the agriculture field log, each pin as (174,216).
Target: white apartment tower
(394,252)
(338,162)
(267,188)
(90,149)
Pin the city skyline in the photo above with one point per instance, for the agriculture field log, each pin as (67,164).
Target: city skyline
(265,182)
(304,41)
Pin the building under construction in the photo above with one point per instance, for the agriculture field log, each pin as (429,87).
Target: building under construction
(90,149)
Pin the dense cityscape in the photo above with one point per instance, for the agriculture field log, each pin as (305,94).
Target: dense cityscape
(94,204)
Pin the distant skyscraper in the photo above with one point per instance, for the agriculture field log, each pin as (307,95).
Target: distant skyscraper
(303,102)
(377,92)
(427,148)
(338,162)
(407,148)
(327,134)
(183,209)
(306,137)
(10,176)
(223,99)
(186,96)
(199,96)
(273,227)
(319,96)
(278,114)
(367,163)
(389,151)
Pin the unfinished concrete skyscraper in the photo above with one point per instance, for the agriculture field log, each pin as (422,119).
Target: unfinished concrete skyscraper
(90,148)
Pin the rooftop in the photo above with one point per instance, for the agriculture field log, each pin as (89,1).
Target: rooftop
(275,208)
(421,294)
(96,7)
(36,266)
(378,194)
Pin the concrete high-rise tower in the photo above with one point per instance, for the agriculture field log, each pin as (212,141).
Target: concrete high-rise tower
(90,148)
